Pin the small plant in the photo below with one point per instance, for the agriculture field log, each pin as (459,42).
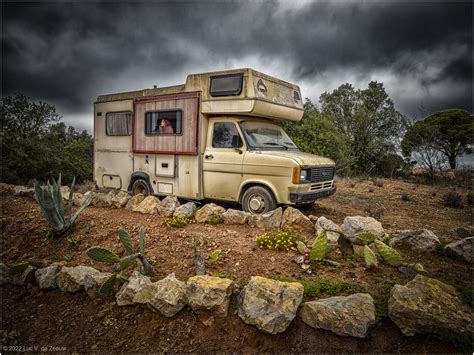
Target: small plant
(324,285)
(177,221)
(388,254)
(68,257)
(121,264)
(452,199)
(320,247)
(214,257)
(282,240)
(406,196)
(364,238)
(73,244)
(50,200)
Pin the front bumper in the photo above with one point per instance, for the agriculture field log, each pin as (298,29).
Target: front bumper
(311,196)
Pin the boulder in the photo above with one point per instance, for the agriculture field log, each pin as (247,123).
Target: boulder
(167,296)
(46,277)
(134,202)
(120,199)
(71,279)
(167,206)
(333,231)
(26,276)
(269,220)
(23,191)
(102,199)
(344,315)
(235,217)
(421,239)
(186,210)
(148,205)
(426,305)
(209,213)
(354,225)
(294,219)
(93,282)
(465,232)
(463,248)
(65,190)
(209,293)
(136,283)
(77,199)
(5,276)
(268,304)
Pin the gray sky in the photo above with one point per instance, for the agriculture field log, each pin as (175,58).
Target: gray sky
(67,53)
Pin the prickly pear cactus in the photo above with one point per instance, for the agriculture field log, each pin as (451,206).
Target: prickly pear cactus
(103,255)
(364,238)
(319,249)
(369,257)
(300,246)
(388,254)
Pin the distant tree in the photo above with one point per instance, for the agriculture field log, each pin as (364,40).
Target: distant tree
(35,144)
(447,132)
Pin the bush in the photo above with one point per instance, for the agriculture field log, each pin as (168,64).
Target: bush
(452,199)
(282,240)
(177,221)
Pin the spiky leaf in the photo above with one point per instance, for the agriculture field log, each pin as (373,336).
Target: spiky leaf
(142,241)
(46,201)
(126,240)
(84,204)
(70,202)
(320,247)
(103,255)
(364,238)
(300,246)
(214,257)
(388,254)
(370,257)
(108,284)
(19,268)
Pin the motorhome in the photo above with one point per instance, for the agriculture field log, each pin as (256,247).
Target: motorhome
(218,136)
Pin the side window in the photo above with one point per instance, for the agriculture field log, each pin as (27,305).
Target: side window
(163,122)
(118,123)
(225,135)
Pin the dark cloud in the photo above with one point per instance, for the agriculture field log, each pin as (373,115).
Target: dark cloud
(68,53)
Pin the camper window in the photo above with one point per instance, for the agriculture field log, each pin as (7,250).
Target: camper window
(226,85)
(118,123)
(163,122)
(226,136)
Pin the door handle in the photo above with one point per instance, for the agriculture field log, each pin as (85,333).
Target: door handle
(209,156)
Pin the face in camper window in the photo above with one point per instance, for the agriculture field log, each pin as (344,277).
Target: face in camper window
(168,122)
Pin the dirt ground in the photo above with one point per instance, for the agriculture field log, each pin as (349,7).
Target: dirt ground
(74,322)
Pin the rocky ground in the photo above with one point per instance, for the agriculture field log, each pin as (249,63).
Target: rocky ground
(74,322)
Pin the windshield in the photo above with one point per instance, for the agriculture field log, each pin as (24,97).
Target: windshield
(269,136)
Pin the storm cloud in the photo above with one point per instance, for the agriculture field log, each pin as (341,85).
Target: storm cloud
(68,53)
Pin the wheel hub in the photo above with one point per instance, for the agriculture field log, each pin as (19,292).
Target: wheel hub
(257,203)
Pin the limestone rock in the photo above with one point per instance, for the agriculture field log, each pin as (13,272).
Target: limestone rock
(208,213)
(121,199)
(333,231)
(354,225)
(294,219)
(186,210)
(134,202)
(235,217)
(23,191)
(269,220)
(5,276)
(135,284)
(71,279)
(77,199)
(425,305)
(65,190)
(46,277)
(102,199)
(168,206)
(463,248)
(344,315)
(167,296)
(422,239)
(24,277)
(148,205)
(93,282)
(209,293)
(268,304)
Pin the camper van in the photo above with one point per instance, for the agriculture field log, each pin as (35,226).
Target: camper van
(218,136)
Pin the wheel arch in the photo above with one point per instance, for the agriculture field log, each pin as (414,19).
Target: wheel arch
(140,175)
(247,184)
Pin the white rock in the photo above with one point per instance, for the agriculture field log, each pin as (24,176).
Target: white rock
(422,239)
(209,212)
(134,202)
(235,217)
(136,283)
(209,293)
(168,206)
(331,228)
(120,199)
(294,219)
(148,205)
(71,279)
(354,225)
(93,282)
(186,210)
(463,248)
(46,277)
(269,220)
(23,191)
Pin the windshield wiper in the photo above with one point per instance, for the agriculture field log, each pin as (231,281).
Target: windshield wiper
(277,144)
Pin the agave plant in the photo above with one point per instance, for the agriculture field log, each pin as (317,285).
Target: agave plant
(50,200)
(119,265)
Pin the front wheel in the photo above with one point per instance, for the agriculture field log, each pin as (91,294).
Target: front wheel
(258,200)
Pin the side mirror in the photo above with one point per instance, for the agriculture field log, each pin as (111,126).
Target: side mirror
(236,141)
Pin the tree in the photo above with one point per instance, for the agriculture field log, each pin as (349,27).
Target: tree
(447,132)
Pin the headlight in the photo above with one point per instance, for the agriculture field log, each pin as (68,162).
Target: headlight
(305,175)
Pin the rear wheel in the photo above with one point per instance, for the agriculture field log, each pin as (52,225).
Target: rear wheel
(258,200)
(140,186)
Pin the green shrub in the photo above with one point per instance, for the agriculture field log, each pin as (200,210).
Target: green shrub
(177,221)
(214,257)
(324,286)
(281,240)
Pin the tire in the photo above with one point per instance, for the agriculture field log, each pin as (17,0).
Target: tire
(140,186)
(258,200)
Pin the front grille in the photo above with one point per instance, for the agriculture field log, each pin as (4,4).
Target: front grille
(322,174)
(321,185)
